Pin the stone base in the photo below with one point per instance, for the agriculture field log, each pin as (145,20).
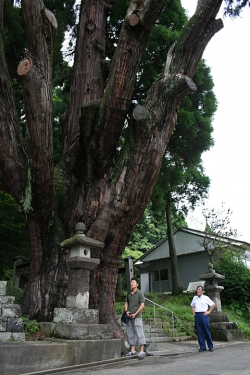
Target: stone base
(76,315)
(27,357)
(77,331)
(12,336)
(227,335)
(223,330)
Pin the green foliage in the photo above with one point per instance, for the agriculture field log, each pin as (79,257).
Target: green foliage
(11,290)
(148,231)
(30,326)
(162,36)
(236,284)
(182,179)
(13,235)
(236,316)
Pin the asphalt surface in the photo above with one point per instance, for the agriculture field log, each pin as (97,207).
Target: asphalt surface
(228,358)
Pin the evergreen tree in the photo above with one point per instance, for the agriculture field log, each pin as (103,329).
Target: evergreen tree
(112,146)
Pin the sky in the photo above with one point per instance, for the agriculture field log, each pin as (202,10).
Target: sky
(227,162)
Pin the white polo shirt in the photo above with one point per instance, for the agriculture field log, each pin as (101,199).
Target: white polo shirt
(201,303)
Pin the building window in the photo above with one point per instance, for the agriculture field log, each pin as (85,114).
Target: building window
(160,275)
(164,274)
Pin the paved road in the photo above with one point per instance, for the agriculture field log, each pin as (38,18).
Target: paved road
(227,360)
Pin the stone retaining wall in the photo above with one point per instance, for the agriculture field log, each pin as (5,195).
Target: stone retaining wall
(11,323)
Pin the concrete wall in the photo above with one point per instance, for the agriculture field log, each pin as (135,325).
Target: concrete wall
(21,358)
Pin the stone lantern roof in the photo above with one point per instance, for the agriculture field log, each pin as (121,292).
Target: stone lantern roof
(80,238)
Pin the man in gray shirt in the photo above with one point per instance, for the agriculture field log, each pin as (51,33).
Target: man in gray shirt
(134,304)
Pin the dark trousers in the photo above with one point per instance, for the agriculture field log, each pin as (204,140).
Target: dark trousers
(203,331)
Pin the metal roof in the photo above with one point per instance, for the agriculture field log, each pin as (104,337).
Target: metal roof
(223,240)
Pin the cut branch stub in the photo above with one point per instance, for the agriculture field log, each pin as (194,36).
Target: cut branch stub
(51,17)
(90,25)
(133,20)
(184,86)
(24,66)
(140,113)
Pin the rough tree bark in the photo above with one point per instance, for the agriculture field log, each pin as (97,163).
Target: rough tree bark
(97,181)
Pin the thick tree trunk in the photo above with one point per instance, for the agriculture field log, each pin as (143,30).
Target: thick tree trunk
(176,286)
(97,181)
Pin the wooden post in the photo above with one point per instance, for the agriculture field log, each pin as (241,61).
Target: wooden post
(129,271)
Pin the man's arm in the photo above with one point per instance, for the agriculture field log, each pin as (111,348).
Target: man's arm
(193,310)
(133,316)
(126,308)
(210,310)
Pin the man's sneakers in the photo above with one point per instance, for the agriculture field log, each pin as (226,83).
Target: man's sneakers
(141,355)
(130,354)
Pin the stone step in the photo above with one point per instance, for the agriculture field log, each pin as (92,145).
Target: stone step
(157,339)
(227,335)
(146,327)
(160,331)
(12,336)
(159,335)
(182,338)
(156,330)
(224,325)
(77,331)
(217,317)
(155,320)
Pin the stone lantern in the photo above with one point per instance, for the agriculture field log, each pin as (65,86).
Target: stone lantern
(80,264)
(212,288)
(76,321)
(221,328)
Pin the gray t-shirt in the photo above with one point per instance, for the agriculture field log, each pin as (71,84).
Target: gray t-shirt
(134,302)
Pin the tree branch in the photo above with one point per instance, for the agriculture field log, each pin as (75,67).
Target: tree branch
(36,75)
(139,20)
(13,157)
(88,77)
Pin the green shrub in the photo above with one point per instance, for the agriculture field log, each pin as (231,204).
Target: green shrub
(236,284)
(30,326)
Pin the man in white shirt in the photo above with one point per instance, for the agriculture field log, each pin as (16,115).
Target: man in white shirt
(199,306)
